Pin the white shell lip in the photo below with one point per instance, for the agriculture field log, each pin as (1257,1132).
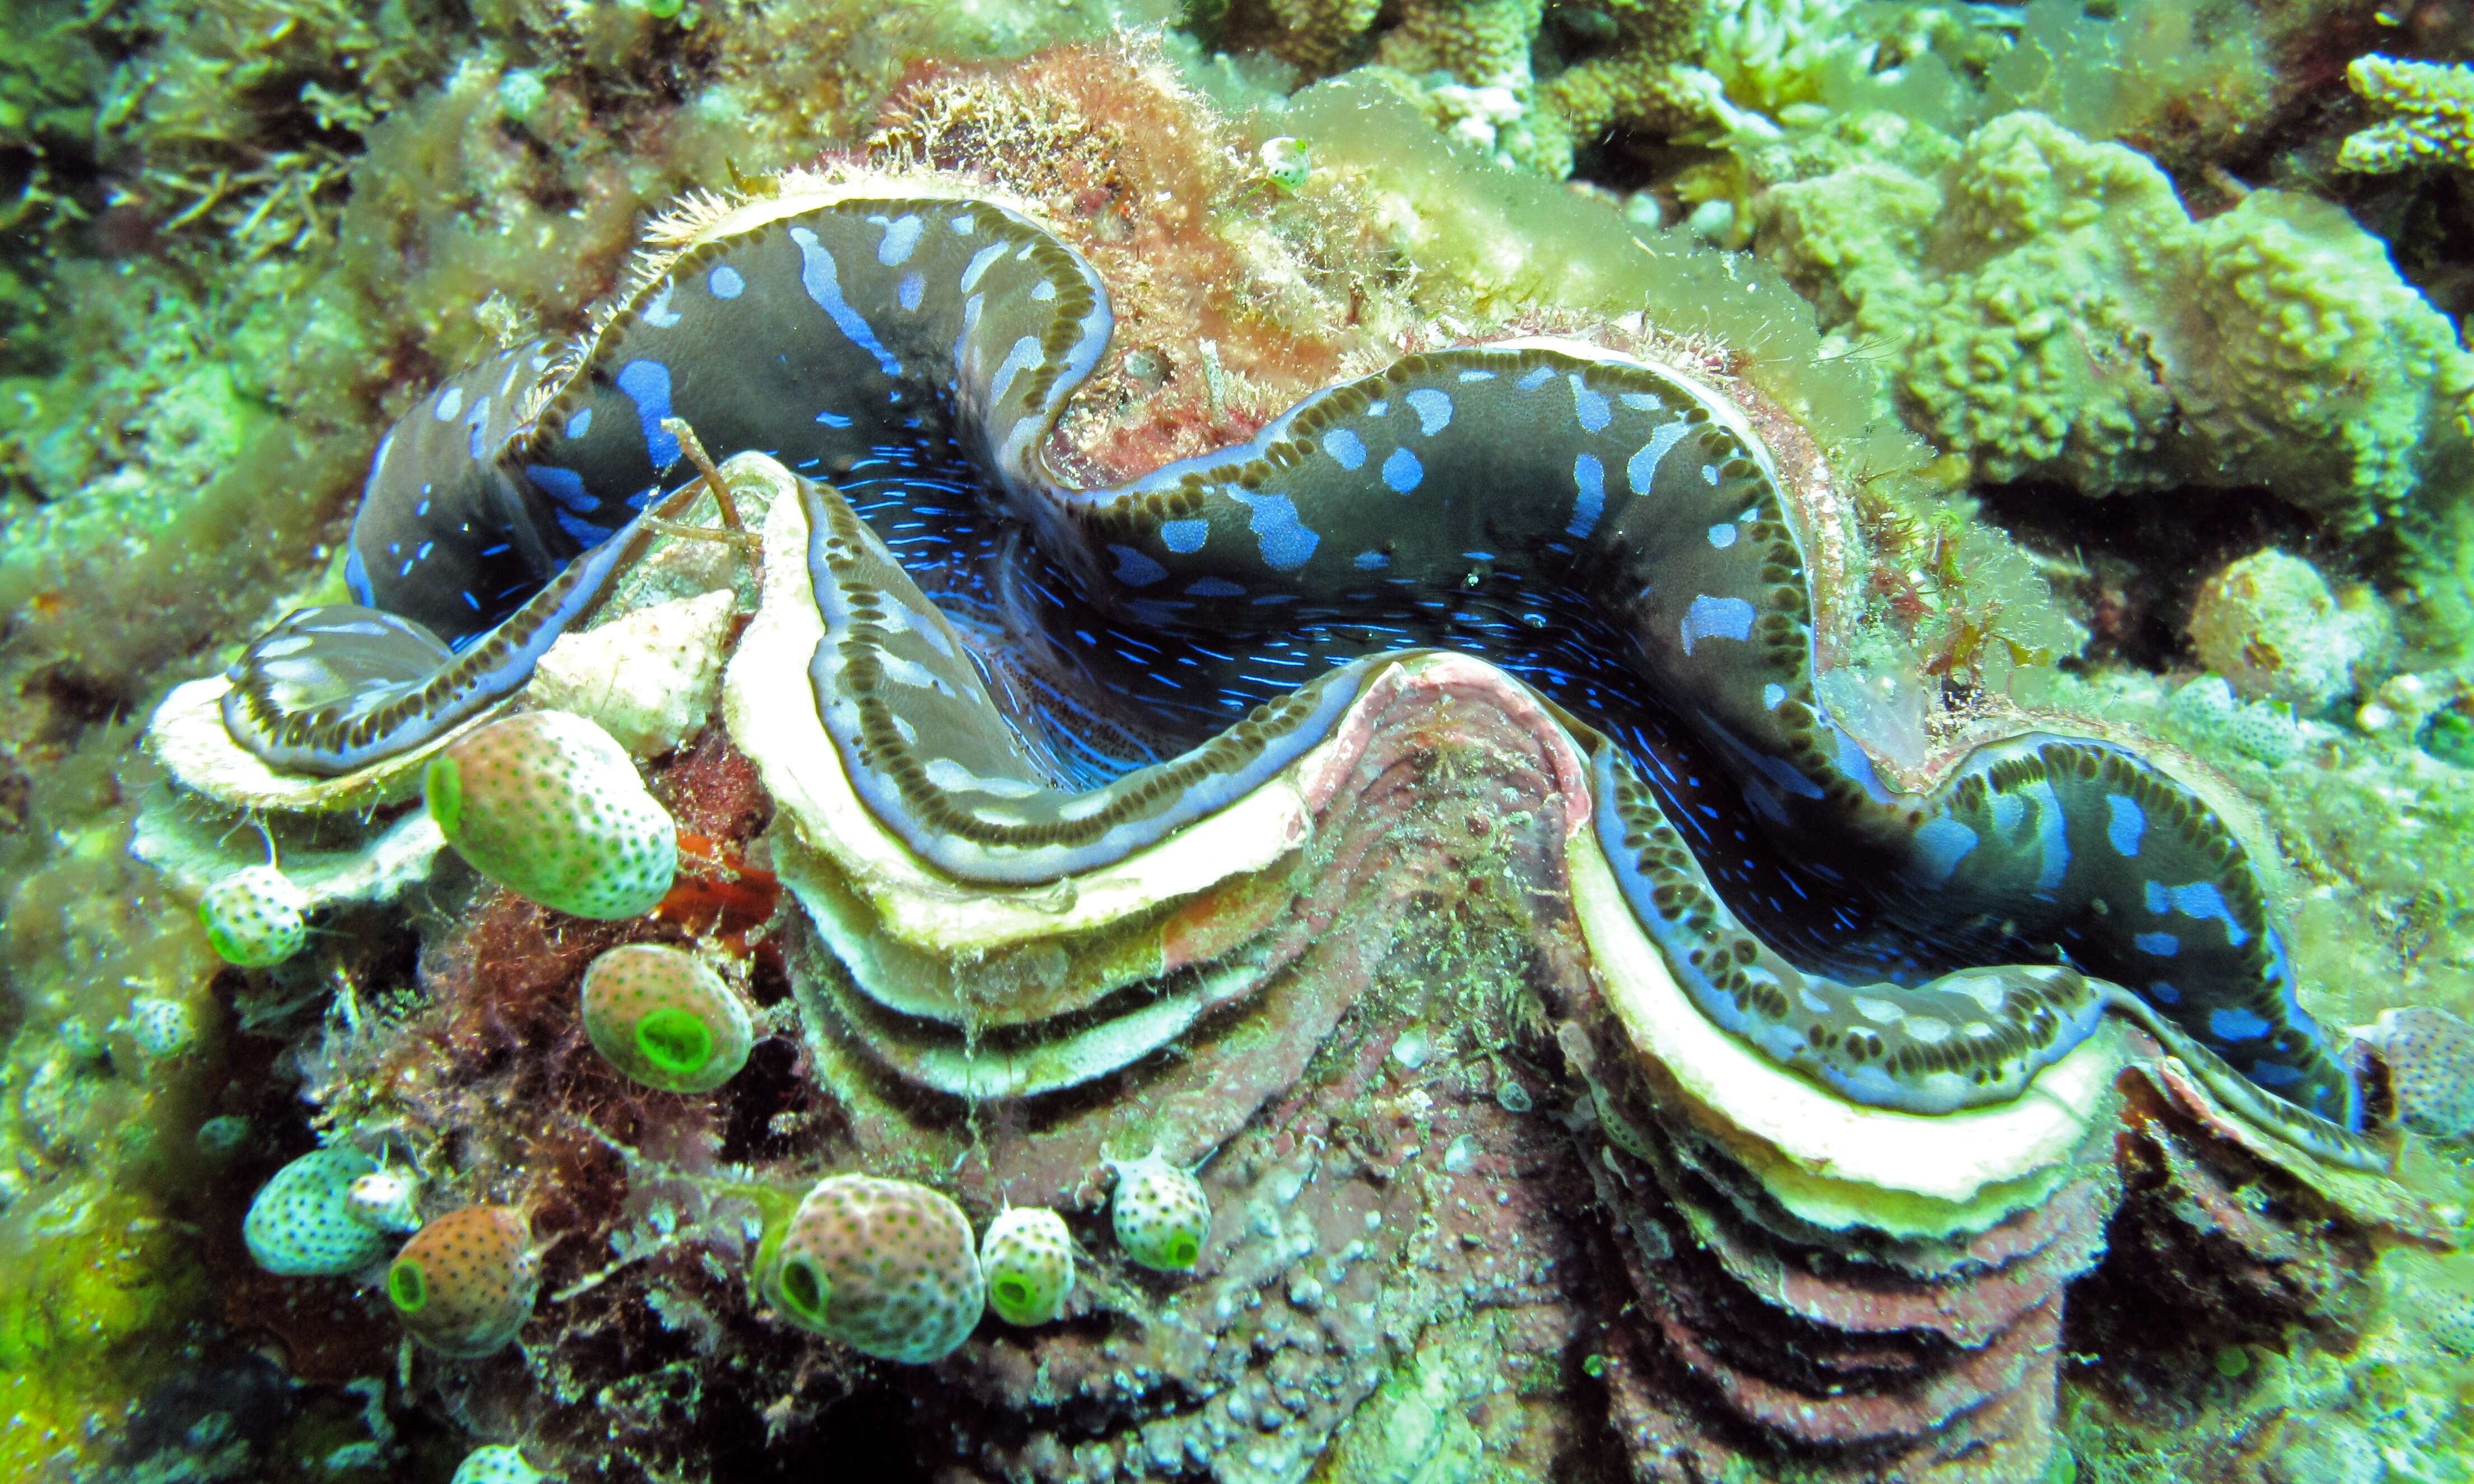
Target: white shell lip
(1835,1163)
(769,707)
(186,735)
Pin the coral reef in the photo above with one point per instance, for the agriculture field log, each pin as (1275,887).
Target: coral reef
(2275,629)
(1481,1208)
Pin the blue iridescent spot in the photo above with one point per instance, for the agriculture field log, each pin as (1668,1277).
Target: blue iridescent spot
(725,282)
(580,423)
(1592,407)
(1184,537)
(1213,586)
(2201,899)
(2126,824)
(1135,569)
(1346,448)
(1371,561)
(1591,478)
(911,291)
(2233,1023)
(647,384)
(1434,409)
(1717,618)
(833,420)
(450,403)
(901,235)
(1943,843)
(656,311)
(1722,535)
(2274,1074)
(1643,466)
(1286,543)
(563,485)
(479,433)
(2052,835)
(822,280)
(1402,471)
(2160,945)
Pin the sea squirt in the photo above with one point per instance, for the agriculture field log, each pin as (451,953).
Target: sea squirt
(1026,679)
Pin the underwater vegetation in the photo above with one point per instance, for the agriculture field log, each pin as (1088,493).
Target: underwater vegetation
(1444,742)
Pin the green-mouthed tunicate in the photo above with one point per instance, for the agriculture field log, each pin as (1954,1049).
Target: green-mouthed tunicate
(665,1018)
(548,806)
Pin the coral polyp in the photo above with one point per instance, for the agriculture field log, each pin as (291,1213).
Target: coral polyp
(665,1018)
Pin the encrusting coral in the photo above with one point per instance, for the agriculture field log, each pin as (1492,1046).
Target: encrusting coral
(2048,309)
(2273,628)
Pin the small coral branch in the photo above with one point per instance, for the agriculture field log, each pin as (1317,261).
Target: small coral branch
(2432,122)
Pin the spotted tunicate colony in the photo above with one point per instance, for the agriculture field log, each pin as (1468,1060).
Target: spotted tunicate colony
(546,805)
(1026,681)
(1160,1213)
(1026,1256)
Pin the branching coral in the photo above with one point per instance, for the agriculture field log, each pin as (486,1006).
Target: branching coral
(2432,115)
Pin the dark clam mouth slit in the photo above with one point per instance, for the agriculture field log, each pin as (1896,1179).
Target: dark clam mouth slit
(1025,680)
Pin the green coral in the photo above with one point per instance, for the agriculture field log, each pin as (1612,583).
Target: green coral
(2433,109)
(2048,309)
